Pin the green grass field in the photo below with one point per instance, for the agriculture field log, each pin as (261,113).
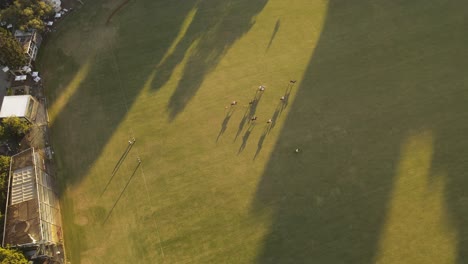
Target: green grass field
(378,111)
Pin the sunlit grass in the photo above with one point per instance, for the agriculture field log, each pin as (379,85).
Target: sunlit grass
(182,31)
(191,199)
(416,228)
(60,103)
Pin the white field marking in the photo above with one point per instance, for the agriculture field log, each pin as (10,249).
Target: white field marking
(149,201)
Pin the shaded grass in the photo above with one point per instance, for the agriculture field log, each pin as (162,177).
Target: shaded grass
(177,192)
(164,71)
(381,92)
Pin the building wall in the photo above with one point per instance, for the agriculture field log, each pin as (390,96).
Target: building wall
(31,109)
(48,203)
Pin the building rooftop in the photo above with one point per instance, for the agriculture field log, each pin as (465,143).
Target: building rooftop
(25,37)
(17,105)
(33,214)
(30,41)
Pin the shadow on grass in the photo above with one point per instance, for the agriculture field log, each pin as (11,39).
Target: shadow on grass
(119,71)
(249,112)
(225,122)
(122,192)
(216,26)
(273,35)
(123,56)
(380,71)
(93,113)
(245,137)
(261,140)
(118,164)
(285,98)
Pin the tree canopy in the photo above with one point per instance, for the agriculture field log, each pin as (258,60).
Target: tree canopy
(4,169)
(11,52)
(10,256)
(27,14)
(14,128)
(5,3)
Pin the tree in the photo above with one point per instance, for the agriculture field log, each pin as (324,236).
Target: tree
(27,14)
(11,52)
(4,169)
(5,3)
(10,256)
(15,128)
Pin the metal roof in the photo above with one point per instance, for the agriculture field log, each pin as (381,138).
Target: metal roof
(33,212)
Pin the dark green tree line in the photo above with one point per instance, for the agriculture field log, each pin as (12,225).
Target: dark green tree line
(10,256)
(27,14)
(11,52)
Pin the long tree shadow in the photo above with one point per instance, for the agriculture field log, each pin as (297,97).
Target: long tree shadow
(448,116)
(98,122)
(214,28)
(112,83)
(122,57)
(373,80)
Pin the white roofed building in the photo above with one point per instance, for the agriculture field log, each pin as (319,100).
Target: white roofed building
(22,106)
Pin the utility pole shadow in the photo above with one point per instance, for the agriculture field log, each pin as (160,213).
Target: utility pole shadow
(119,163)
(122,192)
